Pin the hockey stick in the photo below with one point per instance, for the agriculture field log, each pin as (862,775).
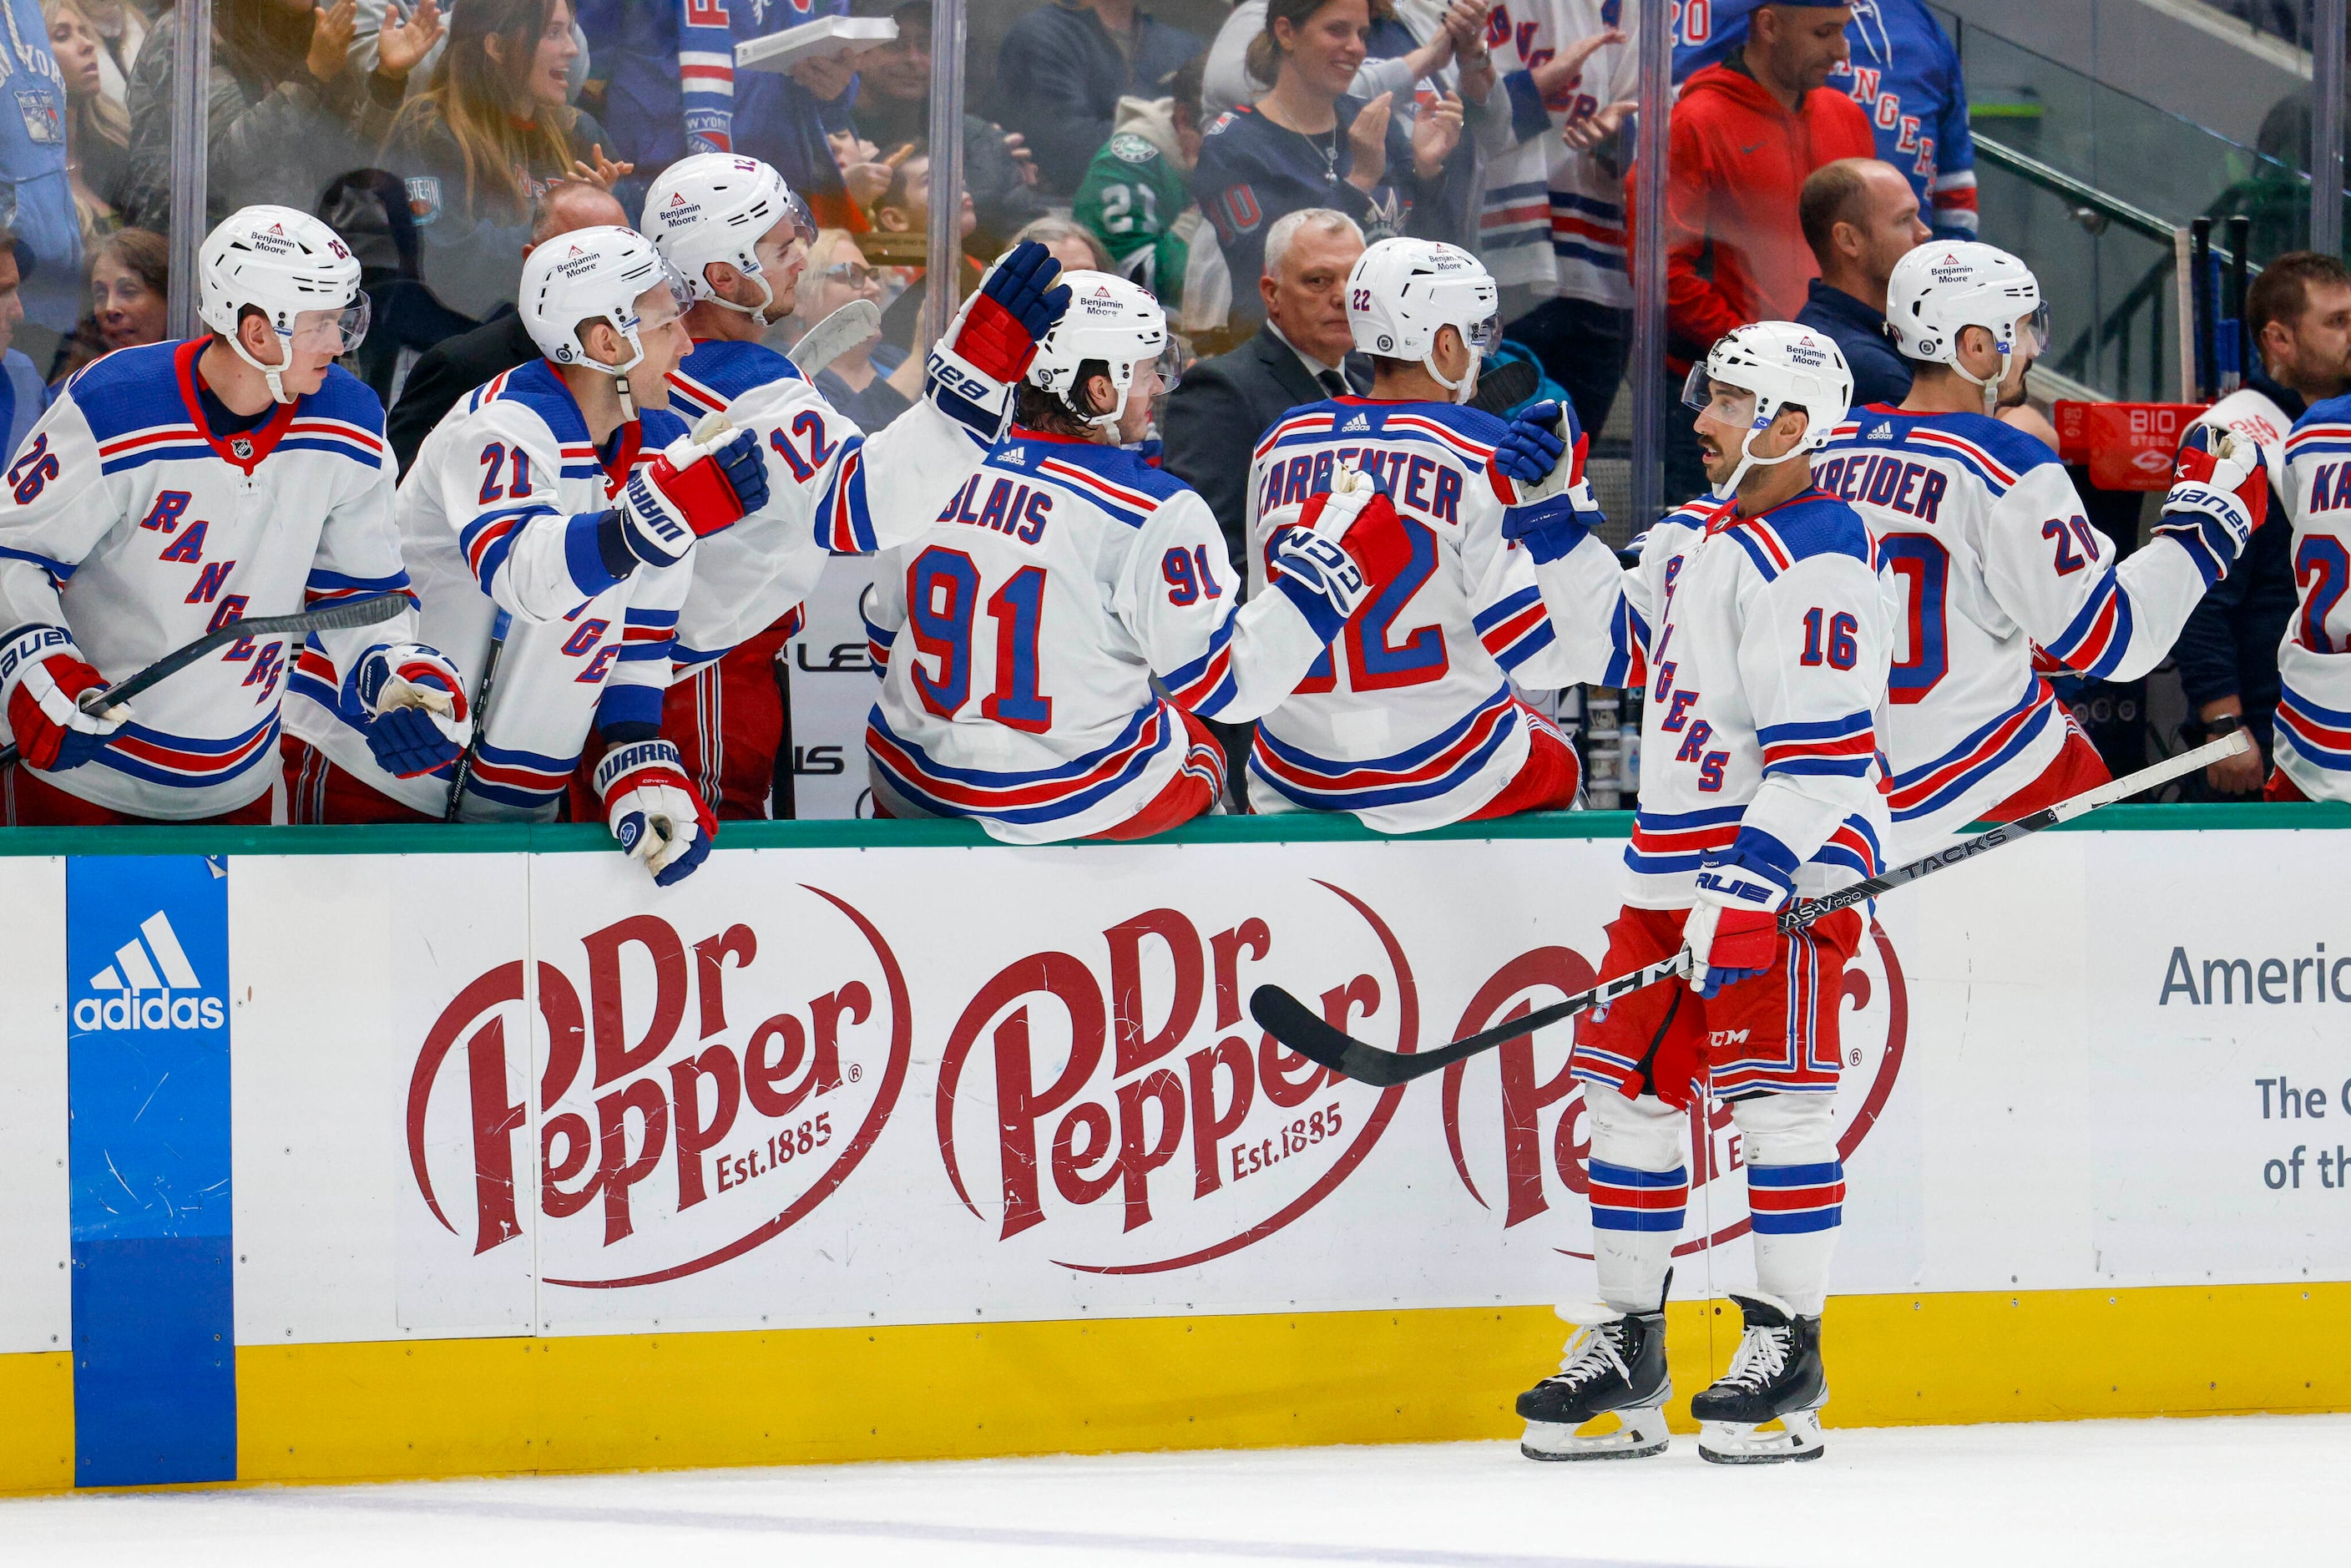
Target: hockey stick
(336,617)
(835,336)
(500,625)
(1289,1021)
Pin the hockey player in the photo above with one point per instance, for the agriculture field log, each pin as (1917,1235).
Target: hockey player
(738,236)
(1020,635)
(1763,620)
(174,489)
(1412,724)
(1985,535)
(2313,760)
(549,524)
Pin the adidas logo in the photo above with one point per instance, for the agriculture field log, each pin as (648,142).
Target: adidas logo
(1883,430)
(1355,425)
(1015,456)
(153,961)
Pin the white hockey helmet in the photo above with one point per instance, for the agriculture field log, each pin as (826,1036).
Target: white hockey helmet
(1939,289)
(595,274)
(1110,319)
(1783,365)
(284,264)
(1400,292)
(717,207)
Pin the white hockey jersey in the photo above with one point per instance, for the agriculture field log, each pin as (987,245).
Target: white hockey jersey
(132,523)
(1553,216)
(2313,712)
(1764,643)
(831,489)
(1983,531)
(1018,639)
(499,512)
(1410,723)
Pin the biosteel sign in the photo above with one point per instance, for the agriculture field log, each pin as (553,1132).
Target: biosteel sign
(701,1091)
(1107,1104)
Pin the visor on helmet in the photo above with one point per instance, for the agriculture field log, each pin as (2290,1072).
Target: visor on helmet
(339,332)
(1719,400)
(2034,329)
(1483,337)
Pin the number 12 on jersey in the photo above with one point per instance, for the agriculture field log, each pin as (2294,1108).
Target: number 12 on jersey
(942,600)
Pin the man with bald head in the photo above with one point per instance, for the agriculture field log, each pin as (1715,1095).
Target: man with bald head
(1860,216)
(450,370)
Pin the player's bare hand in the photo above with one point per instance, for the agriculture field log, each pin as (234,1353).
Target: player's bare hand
(400,44)
(330,38)
(1593,128)
(1563,69)
(602,174)
(1368,142)
(1435,134)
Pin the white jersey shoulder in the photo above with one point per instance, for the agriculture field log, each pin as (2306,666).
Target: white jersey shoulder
(2313,713)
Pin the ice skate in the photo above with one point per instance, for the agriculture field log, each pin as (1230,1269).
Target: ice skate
(1615,1366)
(1775,1375)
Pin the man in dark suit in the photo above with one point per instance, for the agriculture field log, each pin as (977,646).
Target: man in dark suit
(456,366)
(1302,354)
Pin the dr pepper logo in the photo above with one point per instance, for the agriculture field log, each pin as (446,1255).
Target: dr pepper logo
(700,1093)
(1114,1104)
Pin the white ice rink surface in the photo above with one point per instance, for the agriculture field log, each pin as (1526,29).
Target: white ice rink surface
(2206,1491)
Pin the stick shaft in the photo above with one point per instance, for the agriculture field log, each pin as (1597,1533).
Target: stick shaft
(463,772)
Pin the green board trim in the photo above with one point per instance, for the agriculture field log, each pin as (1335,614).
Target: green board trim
(583,837)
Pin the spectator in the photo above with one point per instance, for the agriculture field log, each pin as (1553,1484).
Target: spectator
(98,131)
(875,382)
(121,28)
(1860,217)
(894,111)
(1064,67)
(23,396)
(1745,133)
(1905,74)
(129,291)
(485,143)
(287,112)
(35,191)
(2298,314)
(1299,355)
(369,25)
(904,209)
(1136,199)
(451,368)
(1307,143)
(1551,227)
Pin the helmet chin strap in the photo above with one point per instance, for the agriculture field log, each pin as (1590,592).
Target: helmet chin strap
(620,373)
(1728,489)
(758,313)
(272,374)
(1464,388)
(1990,388)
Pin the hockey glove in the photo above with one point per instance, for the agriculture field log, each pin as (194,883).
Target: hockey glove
(1548,505)
(993,339)
(653,809)
(417,707)
(1334,550)
(2220,495)
(41,676)
(694,488)
(1733,929)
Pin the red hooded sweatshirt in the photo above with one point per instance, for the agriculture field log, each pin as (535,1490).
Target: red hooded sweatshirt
(1737,164)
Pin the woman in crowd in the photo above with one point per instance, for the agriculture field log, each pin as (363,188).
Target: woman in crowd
(873,382)
(487,140)
(1307,142)
(98,128)
(121,30)
(130,283)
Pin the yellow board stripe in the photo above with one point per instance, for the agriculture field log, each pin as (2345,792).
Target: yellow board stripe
(380,1411)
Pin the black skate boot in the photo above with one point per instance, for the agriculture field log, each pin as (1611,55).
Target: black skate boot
(1616,1364)
(1775,1375)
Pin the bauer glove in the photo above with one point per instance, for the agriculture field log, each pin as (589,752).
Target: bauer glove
(416,704)
(653,809)
(2220,495)
(993,339)
(42,679)
(1548,505)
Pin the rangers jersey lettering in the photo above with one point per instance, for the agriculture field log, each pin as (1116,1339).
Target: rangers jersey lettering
(130,522)
(2314,711)
(499,512)
(832,489)
(1410,722)
(1991,546)
(1018,636)
(1765,671)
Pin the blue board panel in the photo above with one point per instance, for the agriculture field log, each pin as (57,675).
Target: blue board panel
(153,1250)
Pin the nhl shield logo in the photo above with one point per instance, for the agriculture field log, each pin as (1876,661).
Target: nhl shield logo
(242,446)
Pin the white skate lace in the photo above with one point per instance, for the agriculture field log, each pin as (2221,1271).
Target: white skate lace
(1593,1350)
(1762,1355)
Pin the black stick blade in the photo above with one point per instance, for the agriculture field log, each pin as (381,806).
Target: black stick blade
(1304,1030)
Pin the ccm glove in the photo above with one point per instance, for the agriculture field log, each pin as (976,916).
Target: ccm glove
(653,809)
(699,484)
(1334,550)
(416,703)
(2220,495)
(1733,930)
(42,677)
